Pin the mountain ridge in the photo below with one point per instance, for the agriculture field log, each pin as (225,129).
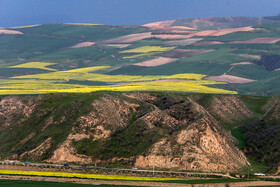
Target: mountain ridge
(179,131)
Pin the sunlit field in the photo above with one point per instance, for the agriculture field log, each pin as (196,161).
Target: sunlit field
(61,81)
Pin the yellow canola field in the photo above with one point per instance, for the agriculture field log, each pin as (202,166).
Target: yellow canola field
(147,49)
(74,74)
(84,176)
(82,74)
(37,65)
(58,82)
(181,86)
(35,85)
(86,70)
(186,76)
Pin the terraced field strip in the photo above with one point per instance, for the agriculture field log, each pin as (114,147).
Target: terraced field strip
(83,44)
(170,36)
(230,79)
(184,42)
(206,43)
(84,176)
(156,62)
(116,45)
(264,40)
(241,63)
(6,31)
(128,38)
(147,49)
(220,32)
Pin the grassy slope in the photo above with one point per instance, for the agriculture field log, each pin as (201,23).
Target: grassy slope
(81,32)
(57,106)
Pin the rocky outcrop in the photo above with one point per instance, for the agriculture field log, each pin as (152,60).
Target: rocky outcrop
(203,145)
(229,108)
(12,108)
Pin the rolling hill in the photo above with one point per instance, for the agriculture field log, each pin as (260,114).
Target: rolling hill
(229,55)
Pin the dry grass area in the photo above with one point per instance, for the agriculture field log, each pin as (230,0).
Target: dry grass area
(128,38)
(156,62)
(229,79)
(206,43)
(83,44)
(241,63)
(265,40)
(181,53)
(5,31)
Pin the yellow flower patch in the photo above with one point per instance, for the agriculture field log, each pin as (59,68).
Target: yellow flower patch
(36,65)
(83,175)
(147,49)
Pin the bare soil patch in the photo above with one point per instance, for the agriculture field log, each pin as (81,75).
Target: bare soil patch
(182,28)
(5,31)
(241,63)
(229,79)
(181,53)
(170,36)
(183,42)
(265,40)
(170,30)
(206,43)
(156,62)
(160,24)
(83,44)
(128,38)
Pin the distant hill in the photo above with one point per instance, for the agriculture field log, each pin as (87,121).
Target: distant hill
(227,55)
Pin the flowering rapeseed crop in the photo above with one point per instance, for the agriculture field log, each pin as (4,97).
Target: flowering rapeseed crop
(83,175)
(146,49)
(58,82)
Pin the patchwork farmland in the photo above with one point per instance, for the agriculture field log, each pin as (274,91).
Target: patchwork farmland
(51,58)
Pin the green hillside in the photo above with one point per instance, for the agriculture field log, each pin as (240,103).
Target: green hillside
(188,55)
